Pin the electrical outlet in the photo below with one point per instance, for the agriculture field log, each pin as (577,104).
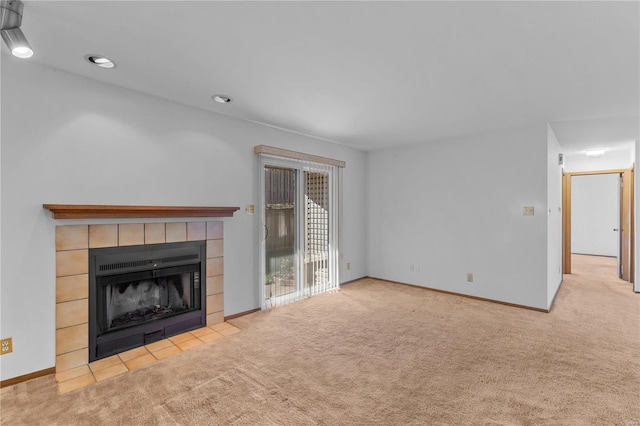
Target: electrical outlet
(6,346)
(348,265)
(412,267)
(469,278)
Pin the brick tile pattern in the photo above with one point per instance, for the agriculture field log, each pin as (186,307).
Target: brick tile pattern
(72,285)
(103,369)
(215,273)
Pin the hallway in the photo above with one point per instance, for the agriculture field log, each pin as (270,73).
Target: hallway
(598,268)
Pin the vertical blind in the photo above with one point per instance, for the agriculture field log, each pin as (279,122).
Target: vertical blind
(314,215)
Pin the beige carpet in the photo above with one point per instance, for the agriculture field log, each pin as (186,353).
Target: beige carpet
(382,353)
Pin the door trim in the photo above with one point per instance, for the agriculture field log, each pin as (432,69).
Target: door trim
(632,224)
(625,225)
(627,197)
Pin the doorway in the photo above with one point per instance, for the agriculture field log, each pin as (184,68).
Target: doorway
(299,242)
(625,224)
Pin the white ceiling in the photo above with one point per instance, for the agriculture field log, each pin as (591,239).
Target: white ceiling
(366,74)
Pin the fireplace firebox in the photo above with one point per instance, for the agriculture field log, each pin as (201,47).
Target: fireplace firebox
(141,294)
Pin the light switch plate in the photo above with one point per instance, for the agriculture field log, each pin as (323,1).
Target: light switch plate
(527,211)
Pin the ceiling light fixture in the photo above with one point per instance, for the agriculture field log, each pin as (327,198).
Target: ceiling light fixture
(10,21)
(100,61)
(221,99)
(595,152)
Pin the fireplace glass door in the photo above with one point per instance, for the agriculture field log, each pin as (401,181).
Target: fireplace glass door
(132,299)
(141,294)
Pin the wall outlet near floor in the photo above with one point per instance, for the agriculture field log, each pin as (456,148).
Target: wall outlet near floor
(6,346)
(348,265)
(528,211)
(412,267)
(469,278)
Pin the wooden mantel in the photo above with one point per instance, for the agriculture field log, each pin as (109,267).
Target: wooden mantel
(87,211)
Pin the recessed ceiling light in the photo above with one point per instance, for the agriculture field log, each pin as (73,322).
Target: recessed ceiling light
(221,99)
(100,61)
(595,152)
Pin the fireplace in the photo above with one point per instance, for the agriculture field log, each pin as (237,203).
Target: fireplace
(142,294)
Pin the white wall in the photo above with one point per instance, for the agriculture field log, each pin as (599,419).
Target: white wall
(67,139)
(615,158)
(595,207)
(455,207)
(554,216)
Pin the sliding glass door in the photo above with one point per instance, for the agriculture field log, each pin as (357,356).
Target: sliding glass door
(299,240)
(280,193)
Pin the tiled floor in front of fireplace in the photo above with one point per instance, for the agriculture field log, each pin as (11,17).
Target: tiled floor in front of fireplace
(135,358)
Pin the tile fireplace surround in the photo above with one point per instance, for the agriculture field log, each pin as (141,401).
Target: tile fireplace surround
(72,279)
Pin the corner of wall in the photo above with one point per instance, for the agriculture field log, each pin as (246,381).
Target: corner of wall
(554,216)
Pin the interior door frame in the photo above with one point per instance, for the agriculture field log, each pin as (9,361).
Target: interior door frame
(627,216)
(632,224)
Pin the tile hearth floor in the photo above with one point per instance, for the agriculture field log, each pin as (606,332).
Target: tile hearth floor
(105,368)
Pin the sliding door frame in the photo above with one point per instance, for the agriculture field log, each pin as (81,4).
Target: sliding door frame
(300,166)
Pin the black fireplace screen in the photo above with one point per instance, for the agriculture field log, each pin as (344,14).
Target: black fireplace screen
(141,294)
(132,299)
